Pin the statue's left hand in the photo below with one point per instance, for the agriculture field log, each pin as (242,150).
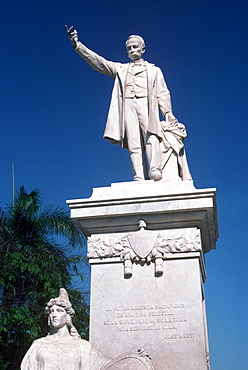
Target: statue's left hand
(170,118)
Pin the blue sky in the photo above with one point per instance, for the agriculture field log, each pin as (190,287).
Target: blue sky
(53,111)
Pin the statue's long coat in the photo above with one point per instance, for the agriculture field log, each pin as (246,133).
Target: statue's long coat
(158,94)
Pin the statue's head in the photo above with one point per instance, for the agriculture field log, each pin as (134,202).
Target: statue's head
(135,46)
(60,312)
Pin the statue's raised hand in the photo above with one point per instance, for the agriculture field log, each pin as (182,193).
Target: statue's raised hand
(73,35)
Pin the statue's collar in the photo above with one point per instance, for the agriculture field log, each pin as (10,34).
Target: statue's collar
(139,62)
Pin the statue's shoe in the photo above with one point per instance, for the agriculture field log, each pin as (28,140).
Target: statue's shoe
(156,175)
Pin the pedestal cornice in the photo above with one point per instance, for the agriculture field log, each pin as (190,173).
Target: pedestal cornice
(162,205)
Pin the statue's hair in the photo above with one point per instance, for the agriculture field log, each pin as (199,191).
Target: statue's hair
(66,304)
(142,41)
(62,303)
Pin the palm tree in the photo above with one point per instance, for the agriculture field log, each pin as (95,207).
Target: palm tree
(34,264)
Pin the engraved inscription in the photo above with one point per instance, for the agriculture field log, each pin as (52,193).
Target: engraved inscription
(171,319)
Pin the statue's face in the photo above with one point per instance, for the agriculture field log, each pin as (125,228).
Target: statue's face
(57,316)
(134,49)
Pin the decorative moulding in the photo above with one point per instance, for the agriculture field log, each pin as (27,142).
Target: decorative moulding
(144,246)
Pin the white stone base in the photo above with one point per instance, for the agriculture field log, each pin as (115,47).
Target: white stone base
(146,242)
(164,314)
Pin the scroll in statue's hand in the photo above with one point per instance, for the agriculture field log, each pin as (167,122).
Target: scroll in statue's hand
(72,34)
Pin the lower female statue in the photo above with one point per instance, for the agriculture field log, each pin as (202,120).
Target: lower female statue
(63,348)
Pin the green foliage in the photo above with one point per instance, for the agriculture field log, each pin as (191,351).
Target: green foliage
(33,267)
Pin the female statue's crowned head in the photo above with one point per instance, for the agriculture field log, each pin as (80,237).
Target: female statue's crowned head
(60,312)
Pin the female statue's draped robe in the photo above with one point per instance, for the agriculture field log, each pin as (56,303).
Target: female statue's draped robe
(71,353)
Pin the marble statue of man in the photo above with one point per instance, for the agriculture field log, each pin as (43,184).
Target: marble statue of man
(139,92)
(63,348)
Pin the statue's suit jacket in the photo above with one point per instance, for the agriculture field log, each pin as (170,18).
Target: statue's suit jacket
(158,94)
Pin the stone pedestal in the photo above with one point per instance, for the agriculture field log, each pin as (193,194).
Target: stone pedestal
(146,242)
